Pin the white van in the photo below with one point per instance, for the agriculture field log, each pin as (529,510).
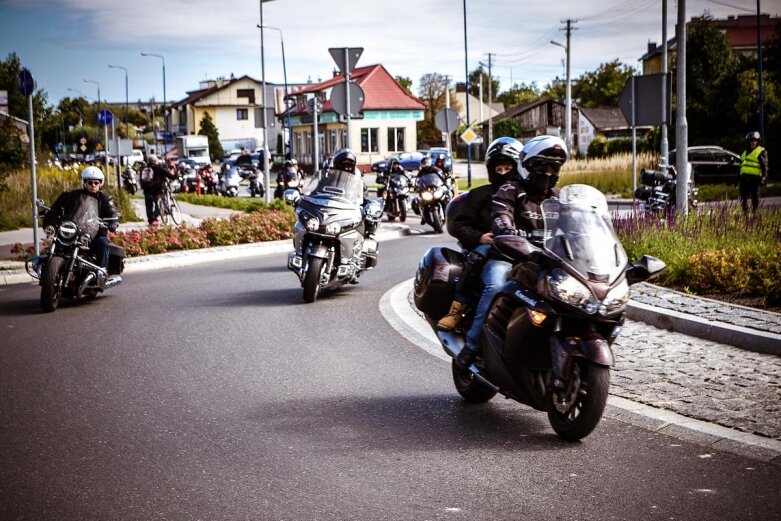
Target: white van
(137,156)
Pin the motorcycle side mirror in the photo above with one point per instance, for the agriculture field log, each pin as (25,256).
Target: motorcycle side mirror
(39,203)
(291,196)
(647,268)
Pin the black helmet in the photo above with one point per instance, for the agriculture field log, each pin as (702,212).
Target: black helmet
(541,162)
(455,208)
(503,150)
(752,135)
(393,161)
(344,160)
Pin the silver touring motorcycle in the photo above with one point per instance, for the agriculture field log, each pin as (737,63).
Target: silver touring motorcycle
(548,333)
(328,239)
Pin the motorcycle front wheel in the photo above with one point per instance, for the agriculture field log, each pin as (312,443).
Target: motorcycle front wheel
(575,411)
(436,220)
(312,279)
(50,284)
(402,210)
(469,387)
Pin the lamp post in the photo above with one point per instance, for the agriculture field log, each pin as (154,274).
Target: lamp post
(284,74)
(266,173)
(165,116)
(567,98)
(105,127)
(127,134)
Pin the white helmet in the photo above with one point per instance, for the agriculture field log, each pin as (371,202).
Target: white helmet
(92,173)
(541,160)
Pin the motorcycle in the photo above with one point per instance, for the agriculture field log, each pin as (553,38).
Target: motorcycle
(657,195)
(548,333)
(396,193)
(256,183)
(288,180)
(330,249)
(433,196)
(69,269)
(229,183)
(191,180)
(130,180)
(210,179)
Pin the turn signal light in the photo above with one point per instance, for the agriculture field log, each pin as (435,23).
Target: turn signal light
(537,317)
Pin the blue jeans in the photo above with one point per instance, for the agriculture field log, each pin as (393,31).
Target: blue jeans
(494,276)
(152,211)
(99,247)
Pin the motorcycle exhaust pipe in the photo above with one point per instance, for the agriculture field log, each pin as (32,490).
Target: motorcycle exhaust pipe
(113,280)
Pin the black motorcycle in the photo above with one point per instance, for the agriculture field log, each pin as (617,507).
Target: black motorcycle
(396,193)
(657,195)
(130,179)
(288,180)
(433,196)
(548,333)
(330,248)
(256,186)
(69,269)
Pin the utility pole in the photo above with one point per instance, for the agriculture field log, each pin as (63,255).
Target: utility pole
(568,95)
(447,106)
(663,138)
(760,93)
(490,100)
(681,125)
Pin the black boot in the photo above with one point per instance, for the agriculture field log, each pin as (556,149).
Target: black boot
(465,358)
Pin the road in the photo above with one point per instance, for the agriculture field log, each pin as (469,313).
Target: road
(214,392)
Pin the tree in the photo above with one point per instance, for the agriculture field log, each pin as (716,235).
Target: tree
(519,95)
(432,93)
(45,125)
(208,129)
(405,82)
(478,75)
(603,87)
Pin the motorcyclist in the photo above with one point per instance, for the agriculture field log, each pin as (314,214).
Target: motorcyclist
(515,210)
(469,221)
(345,161)
(153,178)
(78,202)
(394,168)
(289,172)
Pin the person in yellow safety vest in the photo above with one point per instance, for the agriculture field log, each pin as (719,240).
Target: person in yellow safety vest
(753,171)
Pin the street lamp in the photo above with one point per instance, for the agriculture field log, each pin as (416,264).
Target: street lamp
(267,174)
(567,97)
(127,132)
(468,120)
(165,116)
(98,84)
(284,73)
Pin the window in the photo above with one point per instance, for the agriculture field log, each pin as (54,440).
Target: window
(395,139)
(242,114)
(246,93)
(369,141)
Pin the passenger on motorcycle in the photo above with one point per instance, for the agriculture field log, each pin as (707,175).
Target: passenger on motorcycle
(394,168)
(345,160)
(515,210)
(70,203)
(469,221)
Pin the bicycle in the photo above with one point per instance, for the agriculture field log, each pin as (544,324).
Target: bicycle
(169,207)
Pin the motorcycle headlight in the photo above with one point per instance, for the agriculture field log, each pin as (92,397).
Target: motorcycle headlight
(333,228)
(617,298)
(312,224)
(427,196)
(68,230)
(570,290)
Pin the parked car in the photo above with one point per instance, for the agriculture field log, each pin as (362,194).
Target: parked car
(434,152)
(245,165)
(711,164)
(409,161)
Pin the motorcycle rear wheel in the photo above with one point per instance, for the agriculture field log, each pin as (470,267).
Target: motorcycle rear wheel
(50,284)
(588,399)
(312,279)
(469,387)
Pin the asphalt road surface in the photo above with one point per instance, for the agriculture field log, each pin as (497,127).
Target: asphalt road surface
(215,392)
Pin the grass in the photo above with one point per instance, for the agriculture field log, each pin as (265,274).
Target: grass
(240,204)
(15,198)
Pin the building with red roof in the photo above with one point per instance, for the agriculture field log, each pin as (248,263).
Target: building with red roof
(385,124)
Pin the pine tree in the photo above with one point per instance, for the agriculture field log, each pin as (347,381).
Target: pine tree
(209,130)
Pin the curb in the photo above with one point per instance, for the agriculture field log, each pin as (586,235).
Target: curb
(734,335)
(180,259)
(398,311)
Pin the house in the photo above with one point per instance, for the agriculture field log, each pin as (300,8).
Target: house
(606,123)
(741,32)
(541,116)
(386,124)
(235,106)
(479,111)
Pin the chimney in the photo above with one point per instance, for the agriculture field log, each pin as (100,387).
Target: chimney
(651,47)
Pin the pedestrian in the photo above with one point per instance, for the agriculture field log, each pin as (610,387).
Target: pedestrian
(153,178)
(753,171)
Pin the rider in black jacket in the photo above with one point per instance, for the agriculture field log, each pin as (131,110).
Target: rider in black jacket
(469,221)
(70,205)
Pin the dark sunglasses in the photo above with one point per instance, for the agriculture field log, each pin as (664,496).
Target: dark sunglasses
(94,183)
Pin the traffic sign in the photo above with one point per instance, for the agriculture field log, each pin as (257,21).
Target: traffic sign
(469,136)
(26,83)
(648,99)
(105,117)
(339,98)
(346,57)
(446,120)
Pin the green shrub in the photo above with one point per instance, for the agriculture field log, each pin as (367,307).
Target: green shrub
(241,204)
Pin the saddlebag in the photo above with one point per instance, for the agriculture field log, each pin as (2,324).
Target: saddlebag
(116,259)
(436,280)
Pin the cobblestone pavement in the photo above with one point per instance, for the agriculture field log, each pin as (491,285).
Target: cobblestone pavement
(699,379)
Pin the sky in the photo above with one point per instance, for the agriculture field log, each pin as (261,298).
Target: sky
(64,42)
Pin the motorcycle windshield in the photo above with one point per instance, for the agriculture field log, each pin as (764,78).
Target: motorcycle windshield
(338,190)
(578,231)
(85,215)
(429,181)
